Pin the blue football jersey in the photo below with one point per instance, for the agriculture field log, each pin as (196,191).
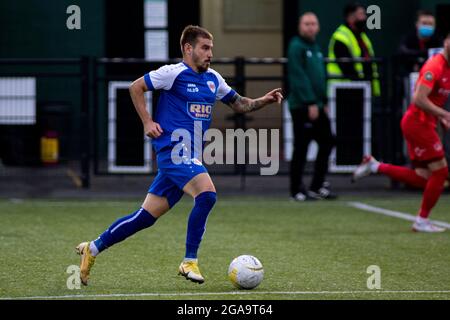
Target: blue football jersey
(186,97)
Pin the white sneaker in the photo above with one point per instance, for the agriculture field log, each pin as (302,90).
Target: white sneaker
(426,226)
(300,196)
(368,166)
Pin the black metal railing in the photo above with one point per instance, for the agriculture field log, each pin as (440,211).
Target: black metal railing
(44,118)
(73,94)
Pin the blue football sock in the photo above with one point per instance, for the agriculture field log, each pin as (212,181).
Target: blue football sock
(123,228)
(197,222)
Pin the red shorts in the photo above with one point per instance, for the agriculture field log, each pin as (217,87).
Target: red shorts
(424,144)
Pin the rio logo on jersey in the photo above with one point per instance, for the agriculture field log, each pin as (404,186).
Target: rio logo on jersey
(199,111)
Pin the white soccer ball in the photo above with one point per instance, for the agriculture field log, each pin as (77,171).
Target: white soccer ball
(246,272)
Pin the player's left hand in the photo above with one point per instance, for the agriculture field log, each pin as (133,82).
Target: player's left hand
(445,124)
(274,96)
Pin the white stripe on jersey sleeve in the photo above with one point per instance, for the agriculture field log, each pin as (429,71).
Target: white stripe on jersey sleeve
(223,88)
(164,77)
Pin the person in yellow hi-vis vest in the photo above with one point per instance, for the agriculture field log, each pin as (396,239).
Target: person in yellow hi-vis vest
(350,41)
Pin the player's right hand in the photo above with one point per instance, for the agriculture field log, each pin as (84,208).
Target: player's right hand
(313,112)
(152,129)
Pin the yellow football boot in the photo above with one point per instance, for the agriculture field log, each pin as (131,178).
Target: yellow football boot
(87,261)
(190,270)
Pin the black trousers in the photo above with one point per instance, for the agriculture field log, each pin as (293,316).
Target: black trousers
(304,132)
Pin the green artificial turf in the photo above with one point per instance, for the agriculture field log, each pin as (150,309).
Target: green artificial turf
(317,250)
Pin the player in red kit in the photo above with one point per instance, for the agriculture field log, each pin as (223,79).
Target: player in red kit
(424,145)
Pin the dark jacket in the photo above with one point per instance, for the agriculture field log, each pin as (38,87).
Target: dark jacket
(307,77)
(410,52)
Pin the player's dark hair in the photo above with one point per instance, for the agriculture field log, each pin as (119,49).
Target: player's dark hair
(351,8)
(191,33)
(421,13)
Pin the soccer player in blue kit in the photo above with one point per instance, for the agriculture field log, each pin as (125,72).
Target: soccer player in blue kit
(189,90)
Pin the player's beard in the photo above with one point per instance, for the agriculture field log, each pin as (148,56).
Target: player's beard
(202,66)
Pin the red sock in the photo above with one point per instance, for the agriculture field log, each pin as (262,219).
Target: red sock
(433,191)
(403,174)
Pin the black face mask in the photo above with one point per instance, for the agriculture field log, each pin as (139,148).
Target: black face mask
(360,25)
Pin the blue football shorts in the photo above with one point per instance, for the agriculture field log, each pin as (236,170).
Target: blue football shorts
(171,177)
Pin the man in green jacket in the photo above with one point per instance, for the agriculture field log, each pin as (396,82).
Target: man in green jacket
(308,107)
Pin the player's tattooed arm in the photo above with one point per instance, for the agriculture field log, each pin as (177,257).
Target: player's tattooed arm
(243,104)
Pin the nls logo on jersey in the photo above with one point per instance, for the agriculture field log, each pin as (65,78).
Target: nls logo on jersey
(199,111)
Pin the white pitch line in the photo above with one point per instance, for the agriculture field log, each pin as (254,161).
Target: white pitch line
(184,294)
(391,213)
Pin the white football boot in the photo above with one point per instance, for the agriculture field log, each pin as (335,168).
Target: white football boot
(424,225)
(368,166)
